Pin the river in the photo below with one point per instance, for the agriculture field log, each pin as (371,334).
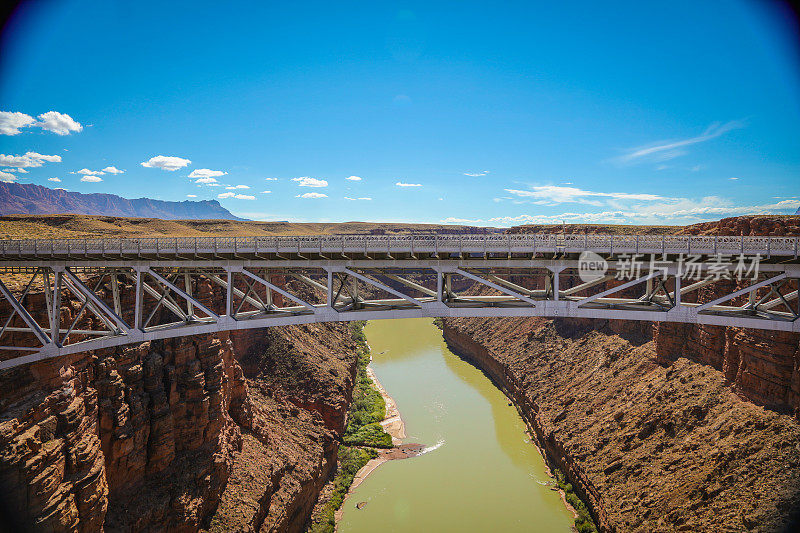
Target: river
(480,472)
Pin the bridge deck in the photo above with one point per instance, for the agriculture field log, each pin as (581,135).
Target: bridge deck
(123,291)
(390,245)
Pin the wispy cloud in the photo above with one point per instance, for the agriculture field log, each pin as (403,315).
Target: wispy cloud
(672,211)
(305,181)
(353,178)
(476,174)
(234,187)
(666,150)
(113,170)
(312,195)
(57,180)
(555,194)
(456,220)
(92,179)
(360,198)
(402,184)
(236,196)
(206,181)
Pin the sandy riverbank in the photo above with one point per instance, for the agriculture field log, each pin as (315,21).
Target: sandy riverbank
(394,426)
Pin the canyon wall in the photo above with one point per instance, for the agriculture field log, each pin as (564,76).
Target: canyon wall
(222,431)
(649,447)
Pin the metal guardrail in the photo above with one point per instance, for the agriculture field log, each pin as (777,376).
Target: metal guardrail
(508,243)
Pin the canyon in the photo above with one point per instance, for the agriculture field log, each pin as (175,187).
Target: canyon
(659,427)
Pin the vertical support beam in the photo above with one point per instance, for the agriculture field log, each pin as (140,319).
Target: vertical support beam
(229,293)
(439,279)
(137,320)
(555,284)
(115,293)
(48,299)
(677,291)
(448,284)
(187,283)
(548,283)
(649,289)
(55,315)
(329,298)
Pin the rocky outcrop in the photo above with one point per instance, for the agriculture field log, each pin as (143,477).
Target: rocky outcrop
(649,447)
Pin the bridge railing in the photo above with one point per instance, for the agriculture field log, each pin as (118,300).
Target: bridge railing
(502,243)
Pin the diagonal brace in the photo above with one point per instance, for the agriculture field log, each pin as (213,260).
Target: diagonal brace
(495,286)
(22,312)
(183,295)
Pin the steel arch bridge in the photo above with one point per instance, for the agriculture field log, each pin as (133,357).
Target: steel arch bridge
(125,291)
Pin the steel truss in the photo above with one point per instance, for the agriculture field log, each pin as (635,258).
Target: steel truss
(117,302)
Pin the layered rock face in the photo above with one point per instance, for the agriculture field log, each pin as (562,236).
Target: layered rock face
(649,447)
(164,435)
(300,386)
(135,437)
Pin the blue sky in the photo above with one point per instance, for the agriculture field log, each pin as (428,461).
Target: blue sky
(498,115)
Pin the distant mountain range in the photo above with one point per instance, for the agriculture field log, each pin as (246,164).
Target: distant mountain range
(29,199)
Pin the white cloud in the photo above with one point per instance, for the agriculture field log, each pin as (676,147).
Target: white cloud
(665,150)
(88,172)
(476,174)
(353,178)
(454,220)
(92,179)
(672,211)
(191,196)
(305,181)
(234,187)
(29,159)
(57,180)
(58,123)
(354,199)
(207,181)
(113,170)
(733,178)
(7,177)
(271,179)
(401,184)
(206,173)
(236,196)
(11,122)
(266,192)
(556,194)
(312,195)
(163,162)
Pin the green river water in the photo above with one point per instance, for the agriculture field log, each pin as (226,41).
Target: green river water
(481,472)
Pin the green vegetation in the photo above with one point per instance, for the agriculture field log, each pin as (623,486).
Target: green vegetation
(363,429)
(368,407)
(438,322)
(351,460)
(584,522)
